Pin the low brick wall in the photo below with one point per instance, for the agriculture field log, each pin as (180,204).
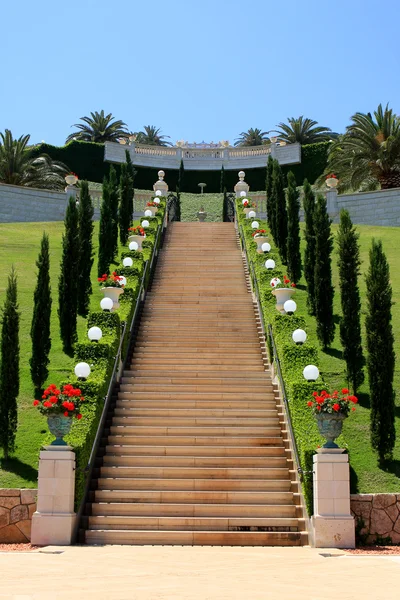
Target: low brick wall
(16,510)
(380,514)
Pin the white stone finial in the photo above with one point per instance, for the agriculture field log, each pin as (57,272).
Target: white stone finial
(241,175)
(161,175)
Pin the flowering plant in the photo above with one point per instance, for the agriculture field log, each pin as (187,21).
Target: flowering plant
(331,176)
(247,204)
(112,280)
(332,403)
(152,204)
(259,232)
(137,230)
(56,402)
(286,283)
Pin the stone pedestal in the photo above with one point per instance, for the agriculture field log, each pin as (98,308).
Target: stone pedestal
(241,185)
(160,184)
(54,520)
(332,206)
(332,522)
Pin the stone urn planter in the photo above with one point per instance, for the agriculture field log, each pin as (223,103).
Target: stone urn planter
(281,295)
(71,179)
(202,215)
(113,293)
(247,211)
(260,240)
(332,182)
(59,426)
(330,427)
(153,210)
(139,239)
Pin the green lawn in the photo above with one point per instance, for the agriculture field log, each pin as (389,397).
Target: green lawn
(20,243)
(367,476)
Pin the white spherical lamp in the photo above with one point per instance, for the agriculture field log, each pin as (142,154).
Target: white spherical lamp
(275,281)
(299,336)
(82,370)
(290,307)
(270,264)
(158,193)
(243,194)
(133,246)
(266,247)
(95,334)
(145,224)
(127,262)
(148,213)
(255,225)
(156,200)
(252,214)
(106,304)
(311,373)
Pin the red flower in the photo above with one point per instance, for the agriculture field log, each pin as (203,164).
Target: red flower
(353,399)
(318,408)
(336,406)
(36,402)
(79,417)
(53,399)
(47,404)
(353,408)
(315,394)
(319,399)
(66,414)
(310,403)
(293,285)
(345,391)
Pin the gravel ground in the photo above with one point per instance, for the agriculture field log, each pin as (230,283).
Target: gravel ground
(375,550)
(17,547)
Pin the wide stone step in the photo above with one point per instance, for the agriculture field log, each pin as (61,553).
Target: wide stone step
(164,509)
(193,413)
(254,381)
(222,485)
(115,451)
(204,405)
(136,438)
(211,431)
(148,364)
(200,396)
(197,461)
(195,472)
(198,497)
(172,421)
(194,524)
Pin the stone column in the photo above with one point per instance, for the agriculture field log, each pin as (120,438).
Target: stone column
(160,184)
(241,185)
(54,520)
(332,206)
(332,522)
(71,191)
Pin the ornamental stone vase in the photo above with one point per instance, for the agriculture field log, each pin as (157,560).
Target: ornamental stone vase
(330,427)
(247,210)
(113,293)
(281,295)
(260,240)
(139,239)
(332,182)
(153,209)
(59,426)
(202,215)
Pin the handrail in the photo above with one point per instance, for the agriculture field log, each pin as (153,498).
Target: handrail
(88,470)
(275,357)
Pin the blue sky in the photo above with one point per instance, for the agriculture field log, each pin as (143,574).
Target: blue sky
(205,70)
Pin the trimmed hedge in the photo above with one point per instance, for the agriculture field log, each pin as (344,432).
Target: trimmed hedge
(292,358)
(101,358)
(86,159)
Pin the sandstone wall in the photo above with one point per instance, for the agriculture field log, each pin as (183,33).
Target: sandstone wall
(380,514)
(16,510)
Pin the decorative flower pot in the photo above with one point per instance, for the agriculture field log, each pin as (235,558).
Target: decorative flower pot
(59,426)
(247,210)
(201,216)
(139,239)
(332,182)
(113,293)
(153,209)
(71,179)
(260,240)
(330,427)
(281,295)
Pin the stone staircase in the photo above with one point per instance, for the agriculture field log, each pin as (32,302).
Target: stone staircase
(197,451)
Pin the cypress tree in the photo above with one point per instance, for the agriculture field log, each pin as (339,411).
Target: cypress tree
(131,172)
(279,211)
(309,254)
(181,176)
(222,183)
(381,356)
(125,215)
(113,203)
(106,243)
(323,274)
(68,280)
(268,189)
(9,367)
(293,239)
(85,220)
(350,326)
(40,328)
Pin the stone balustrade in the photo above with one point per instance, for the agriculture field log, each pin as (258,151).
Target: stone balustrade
(16,510)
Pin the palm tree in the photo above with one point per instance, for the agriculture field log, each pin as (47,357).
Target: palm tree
(18,167)
(99,128)
(303,131)
(151,136)
(368,154)
(252,137)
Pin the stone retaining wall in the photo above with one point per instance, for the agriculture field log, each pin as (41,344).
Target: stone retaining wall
(16,510)
(380,514)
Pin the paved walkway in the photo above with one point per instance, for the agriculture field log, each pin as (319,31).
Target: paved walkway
(201,573)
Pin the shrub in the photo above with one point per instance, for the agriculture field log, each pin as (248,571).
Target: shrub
(293,237)
(309,254)
(68,280)
(85,261)
(324,290)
